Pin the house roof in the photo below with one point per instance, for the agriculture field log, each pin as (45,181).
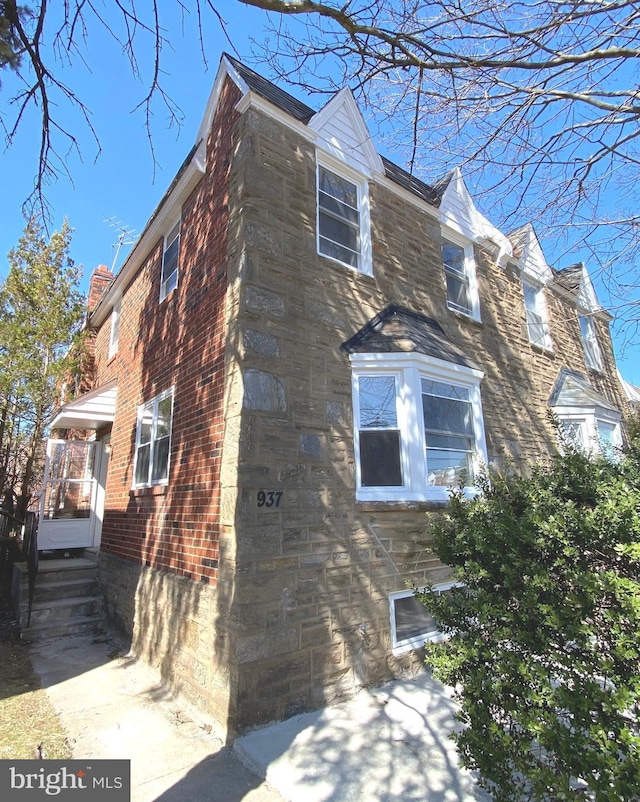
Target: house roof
(573,390)
(397,329)
(300,111)
(269,91)
(570,278)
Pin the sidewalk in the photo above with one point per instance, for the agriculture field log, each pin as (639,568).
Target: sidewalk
(385,745)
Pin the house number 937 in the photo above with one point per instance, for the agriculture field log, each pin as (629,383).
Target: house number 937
(269,498)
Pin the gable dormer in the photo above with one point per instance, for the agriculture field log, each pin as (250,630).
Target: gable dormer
(575,279)
(342,133)
(458,212)
(527,248)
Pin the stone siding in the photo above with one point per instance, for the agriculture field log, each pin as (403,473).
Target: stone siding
(254,581)
(312,569)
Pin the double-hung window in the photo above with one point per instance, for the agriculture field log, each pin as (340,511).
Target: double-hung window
(449,433)
(536,315)
(170,261)
(153,440)
(379,433)
(592,354)
(343,219)
(418,427)
(459,272)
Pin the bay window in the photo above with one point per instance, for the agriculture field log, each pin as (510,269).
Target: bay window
(418,426)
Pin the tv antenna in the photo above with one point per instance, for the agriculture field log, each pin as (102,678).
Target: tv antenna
(126,236)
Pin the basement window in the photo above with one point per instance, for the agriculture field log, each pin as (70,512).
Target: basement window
(411,623)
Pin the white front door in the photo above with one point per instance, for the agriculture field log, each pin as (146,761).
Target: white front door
(70,496)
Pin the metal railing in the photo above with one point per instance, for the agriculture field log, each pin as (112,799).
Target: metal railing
(19,541)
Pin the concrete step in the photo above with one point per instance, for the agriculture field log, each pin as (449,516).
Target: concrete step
(63,589)
(72,626)
(66,597)
(62,609)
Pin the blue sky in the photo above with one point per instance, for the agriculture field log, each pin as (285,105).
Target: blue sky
(120,182)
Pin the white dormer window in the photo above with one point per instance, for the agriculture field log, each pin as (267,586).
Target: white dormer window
(536,315)
(170,261)
(115,329)
(343,217)
(460,278)
(592,354)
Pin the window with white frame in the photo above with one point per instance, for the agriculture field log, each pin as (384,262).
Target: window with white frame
(573,432)
(170,261)
(343,218)
(153,440)
(418,427)
(591,431)
(114,337)
(536,315)
(592,354)
(412,625)
(460,277)
(608,438)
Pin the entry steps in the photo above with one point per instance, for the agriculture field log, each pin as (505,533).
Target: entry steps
(66,600)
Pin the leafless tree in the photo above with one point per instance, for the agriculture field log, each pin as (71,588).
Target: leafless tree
(538,99)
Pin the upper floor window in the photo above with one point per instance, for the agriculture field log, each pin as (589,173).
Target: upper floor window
(343,221)
(460,277)
(170,261)
(114,336)
(419,429)
(153,439)
(592,354)
(536,314)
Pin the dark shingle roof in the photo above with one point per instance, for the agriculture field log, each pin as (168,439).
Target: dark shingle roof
(300,111)
(410,182)
(269,91)
(397,329)
(570,278)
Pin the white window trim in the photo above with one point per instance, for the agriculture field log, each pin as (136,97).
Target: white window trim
(154,401)
(590,339)
(436,635)
(452,236)
(165,245)
(365,260)
(408,370)
(587,419)
(114,336)
(541,311)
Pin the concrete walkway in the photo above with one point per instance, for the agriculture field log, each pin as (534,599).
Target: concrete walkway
(385,745)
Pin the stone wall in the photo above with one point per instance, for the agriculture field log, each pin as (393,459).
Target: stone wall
(311,570)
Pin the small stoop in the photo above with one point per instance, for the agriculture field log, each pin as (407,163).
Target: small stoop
(66,601)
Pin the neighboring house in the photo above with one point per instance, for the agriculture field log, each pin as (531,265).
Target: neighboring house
(306,349)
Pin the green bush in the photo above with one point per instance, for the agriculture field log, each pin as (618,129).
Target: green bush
(544,646)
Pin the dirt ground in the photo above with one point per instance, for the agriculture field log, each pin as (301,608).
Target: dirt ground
(29,727)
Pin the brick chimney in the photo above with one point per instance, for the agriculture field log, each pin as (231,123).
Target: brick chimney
(100,280)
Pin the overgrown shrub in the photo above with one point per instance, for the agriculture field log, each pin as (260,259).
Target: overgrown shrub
(544,646)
